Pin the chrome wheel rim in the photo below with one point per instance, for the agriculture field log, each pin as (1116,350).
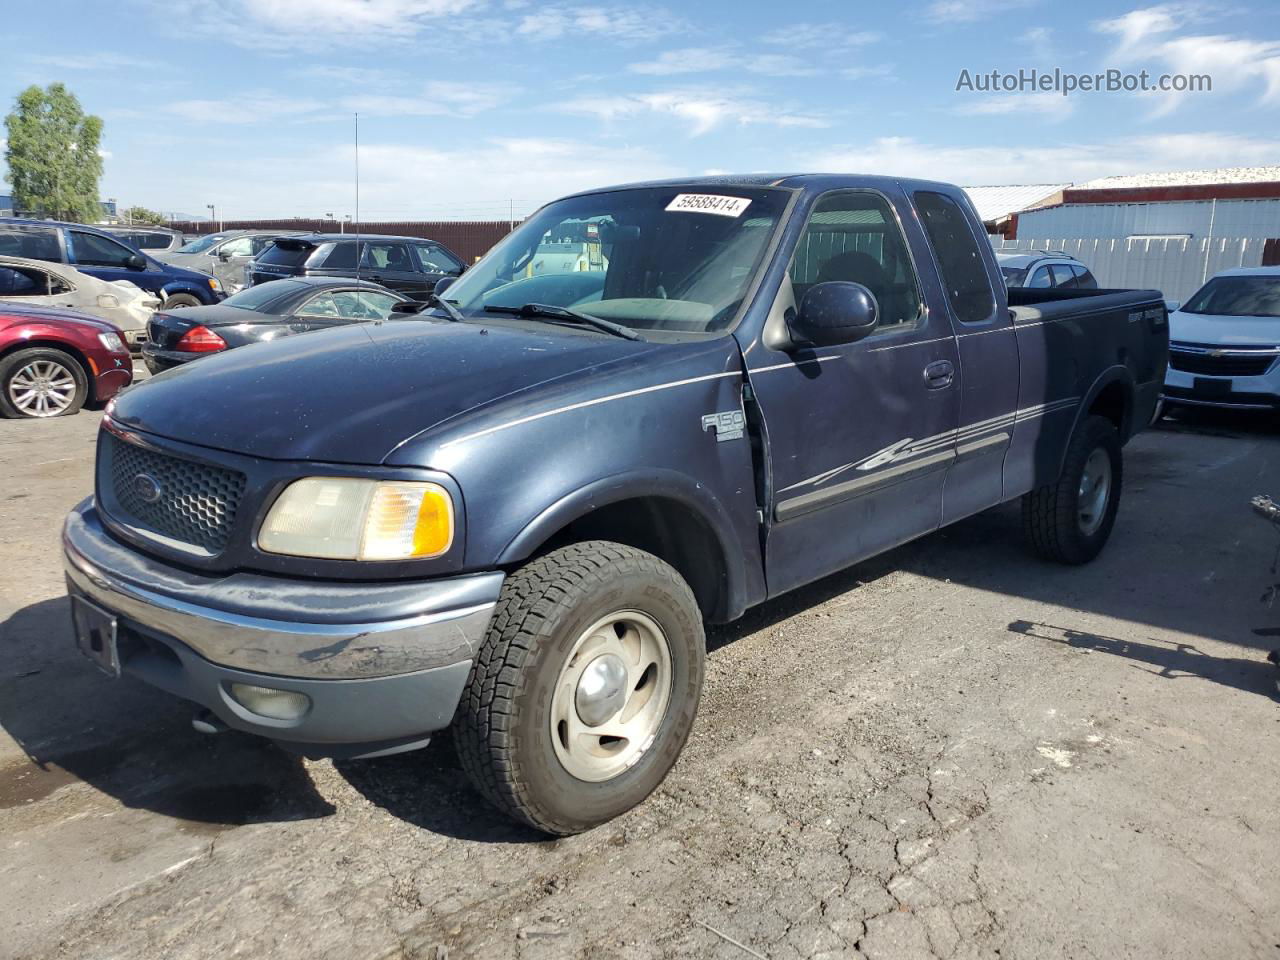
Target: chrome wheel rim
(611,696)
(43,388)
(1095,491)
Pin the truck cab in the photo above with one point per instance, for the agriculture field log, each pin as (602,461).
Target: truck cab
(513,513)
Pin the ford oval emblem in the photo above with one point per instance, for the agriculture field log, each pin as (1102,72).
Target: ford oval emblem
(146,487)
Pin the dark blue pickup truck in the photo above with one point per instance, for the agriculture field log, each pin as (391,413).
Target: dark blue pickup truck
(512,513)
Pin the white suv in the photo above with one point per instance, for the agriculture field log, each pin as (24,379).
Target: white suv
(1224,343)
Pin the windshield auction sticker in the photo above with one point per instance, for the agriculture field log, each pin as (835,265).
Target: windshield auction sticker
(709,203)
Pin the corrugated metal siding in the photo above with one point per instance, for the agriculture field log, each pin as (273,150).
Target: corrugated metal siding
(469,239)
(1231,218)
(1176,267)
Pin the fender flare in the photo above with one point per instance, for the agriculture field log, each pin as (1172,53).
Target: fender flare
(642,484)
(1118,373)
(182,286)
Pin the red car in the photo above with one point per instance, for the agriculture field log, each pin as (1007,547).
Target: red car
(53,362)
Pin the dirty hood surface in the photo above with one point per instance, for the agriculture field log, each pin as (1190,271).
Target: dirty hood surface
(1224,331)
(351,395)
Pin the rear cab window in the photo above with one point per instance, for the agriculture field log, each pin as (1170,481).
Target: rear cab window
(964,273)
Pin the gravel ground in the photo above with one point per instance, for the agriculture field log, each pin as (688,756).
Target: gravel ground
(954,750)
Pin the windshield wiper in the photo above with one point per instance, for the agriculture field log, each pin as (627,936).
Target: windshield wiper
(568,313)
(438,301)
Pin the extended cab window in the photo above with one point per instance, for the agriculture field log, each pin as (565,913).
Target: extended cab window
(855,237)
(92,250)
(963,273)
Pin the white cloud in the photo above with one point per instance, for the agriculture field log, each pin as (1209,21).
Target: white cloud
(313,25)
(686,60)
(438,98)
(881,71)
(1150,37)
(554,21)
(968,11)
(1069,161)
(802,36)
(1049,106)
(707,59)
(100,60)
(250,109)
(702,111)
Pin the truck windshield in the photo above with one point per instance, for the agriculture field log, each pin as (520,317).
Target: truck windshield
(1237,297)
(654,258)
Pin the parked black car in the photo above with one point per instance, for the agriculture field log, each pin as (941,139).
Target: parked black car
(268,311)
(408,264)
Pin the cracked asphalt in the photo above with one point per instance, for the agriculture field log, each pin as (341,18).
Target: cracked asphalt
(953,750)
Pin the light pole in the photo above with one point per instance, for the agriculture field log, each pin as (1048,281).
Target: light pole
(213,215)
(342,227)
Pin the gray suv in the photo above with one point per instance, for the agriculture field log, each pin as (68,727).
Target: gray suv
(224,255)
(1050,268)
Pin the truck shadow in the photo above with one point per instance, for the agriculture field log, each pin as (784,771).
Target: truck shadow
(1164,659)
(131,742)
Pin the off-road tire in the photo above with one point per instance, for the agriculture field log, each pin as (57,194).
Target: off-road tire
(180,300)
(502,729)
(1050,514)
(16,361)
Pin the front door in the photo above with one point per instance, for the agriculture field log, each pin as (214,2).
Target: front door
(860,436)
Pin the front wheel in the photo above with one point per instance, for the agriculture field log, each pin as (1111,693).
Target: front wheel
(585,689)
(1070,520)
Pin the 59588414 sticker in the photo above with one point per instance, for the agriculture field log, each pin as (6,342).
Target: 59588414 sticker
(709,203)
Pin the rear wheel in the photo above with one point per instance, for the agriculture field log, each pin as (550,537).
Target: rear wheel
(585,690)
(41,382)
(1070,520)
(181,300)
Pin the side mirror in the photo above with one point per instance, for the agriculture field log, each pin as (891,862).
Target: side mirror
(1172,305)
(136,262)
(834,313)
(224,255)
(442,285)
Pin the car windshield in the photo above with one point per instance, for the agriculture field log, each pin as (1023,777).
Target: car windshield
(1237,297)
(1013,276)
(263,295)
(201,244)
(656,258)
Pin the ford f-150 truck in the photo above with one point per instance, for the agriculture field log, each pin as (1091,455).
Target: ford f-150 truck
(513,513)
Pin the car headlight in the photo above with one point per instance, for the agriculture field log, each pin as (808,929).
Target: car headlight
(348,518)
(111,342)
(214,284)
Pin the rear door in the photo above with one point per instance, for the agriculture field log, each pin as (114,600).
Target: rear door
(390,263)
(988,377)
(32,241)
(859,436)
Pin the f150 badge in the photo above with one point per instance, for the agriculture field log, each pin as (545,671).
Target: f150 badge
(728,425)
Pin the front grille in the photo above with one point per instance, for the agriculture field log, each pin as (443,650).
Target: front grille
(193,503)
(1208,365)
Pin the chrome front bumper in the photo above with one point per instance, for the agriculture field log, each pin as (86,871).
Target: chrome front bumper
(323,630)
(383,665)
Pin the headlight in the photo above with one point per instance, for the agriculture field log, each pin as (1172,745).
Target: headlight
(214,284)
(347,518)
(111,342)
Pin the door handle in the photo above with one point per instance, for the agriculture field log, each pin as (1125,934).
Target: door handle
(939,374)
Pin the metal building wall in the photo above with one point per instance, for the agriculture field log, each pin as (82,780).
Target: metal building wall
(1176,267)
(1229,218)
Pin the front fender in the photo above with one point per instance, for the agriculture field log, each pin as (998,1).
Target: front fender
(649,484)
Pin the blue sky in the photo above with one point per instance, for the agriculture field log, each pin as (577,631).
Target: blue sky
(468,107)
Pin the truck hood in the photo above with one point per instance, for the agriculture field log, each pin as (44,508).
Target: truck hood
(351,395)
(1224,331)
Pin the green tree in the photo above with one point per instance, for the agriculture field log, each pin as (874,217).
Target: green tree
(53,158)
(143,215)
